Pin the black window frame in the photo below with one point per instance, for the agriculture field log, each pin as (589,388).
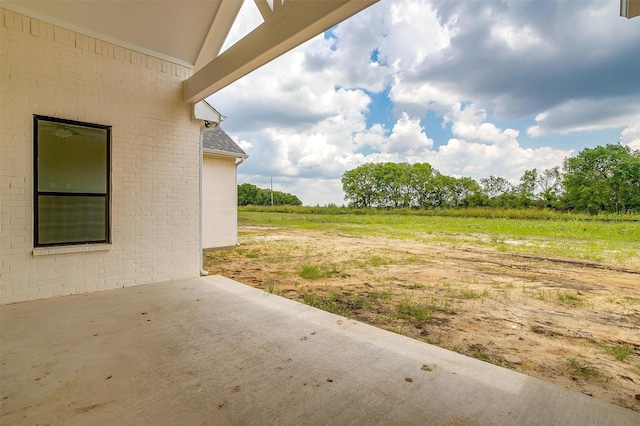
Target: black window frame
(36,193)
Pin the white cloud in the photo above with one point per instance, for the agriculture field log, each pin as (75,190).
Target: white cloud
(347,58)
(373,138)
(245,145)
(518,57)
(586,115)
(631,137)
(310,191)
(248,19)
(310,163)
(303,117)
(419,97)
(469,123)
(480,149)
(477,160)
(407,137)
(517,38)
(414,33)
(318,191)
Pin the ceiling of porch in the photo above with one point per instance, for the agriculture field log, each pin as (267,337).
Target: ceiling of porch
(192,33)
(175,30)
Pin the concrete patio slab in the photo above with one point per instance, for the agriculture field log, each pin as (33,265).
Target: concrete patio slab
(210,351)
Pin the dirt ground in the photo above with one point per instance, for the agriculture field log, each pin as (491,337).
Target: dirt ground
(572,323)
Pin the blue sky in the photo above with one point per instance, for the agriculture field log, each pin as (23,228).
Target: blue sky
(475,88)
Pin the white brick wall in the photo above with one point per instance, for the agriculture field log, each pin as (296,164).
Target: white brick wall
(219,202)
(51,71)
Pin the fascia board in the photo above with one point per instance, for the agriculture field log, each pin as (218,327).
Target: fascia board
(204,111)
(223,153)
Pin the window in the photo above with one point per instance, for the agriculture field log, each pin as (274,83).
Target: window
(72,182)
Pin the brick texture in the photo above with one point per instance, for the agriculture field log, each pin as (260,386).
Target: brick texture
(55,72)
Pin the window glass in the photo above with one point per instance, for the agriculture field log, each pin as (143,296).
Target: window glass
(75,163)
(65,219)
(71,181)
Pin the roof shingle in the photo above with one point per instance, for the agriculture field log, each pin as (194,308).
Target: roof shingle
(218,140)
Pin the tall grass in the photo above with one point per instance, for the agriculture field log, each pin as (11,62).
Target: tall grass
(477,212)
(406,226)
(569,236)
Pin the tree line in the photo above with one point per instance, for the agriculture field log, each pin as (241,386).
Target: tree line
(251,195)
(600,179)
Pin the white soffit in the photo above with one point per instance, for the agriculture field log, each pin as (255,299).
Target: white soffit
(175,30)
(204,111)
(191,32)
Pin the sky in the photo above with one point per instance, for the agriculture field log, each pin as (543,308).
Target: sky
(474,88)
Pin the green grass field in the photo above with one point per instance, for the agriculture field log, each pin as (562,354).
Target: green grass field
(571,236)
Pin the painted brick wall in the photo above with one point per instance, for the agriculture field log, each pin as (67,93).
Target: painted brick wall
(51,71)
(219,202)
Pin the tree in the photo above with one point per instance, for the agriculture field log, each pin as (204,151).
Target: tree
(393,185)
(421,184)
(527,187)
(284,199)
(603,179)
(452,192)
(359,186)
(499,191)
(549,184)
(251,195)
(599,179)
(386,185)
(469,193)
(495,186)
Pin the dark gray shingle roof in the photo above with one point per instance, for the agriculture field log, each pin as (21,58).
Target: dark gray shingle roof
(218,140)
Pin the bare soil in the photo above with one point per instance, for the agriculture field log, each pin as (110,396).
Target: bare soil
(572,323)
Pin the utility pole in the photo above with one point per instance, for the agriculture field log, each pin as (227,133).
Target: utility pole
(271,191)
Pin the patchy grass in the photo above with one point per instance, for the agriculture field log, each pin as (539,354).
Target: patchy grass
(376,261)
(479,352)
(381,295)
(271,285)
(253,254)
(582,368)
(569,298)
(409,309)
(416,286)
(467,293)
(620,352)
(315,272)
(337,303)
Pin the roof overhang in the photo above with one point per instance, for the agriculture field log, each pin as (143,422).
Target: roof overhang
(192,32)
(224,153)
(629,8)
(179,31)
(204,111)
(286,25)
